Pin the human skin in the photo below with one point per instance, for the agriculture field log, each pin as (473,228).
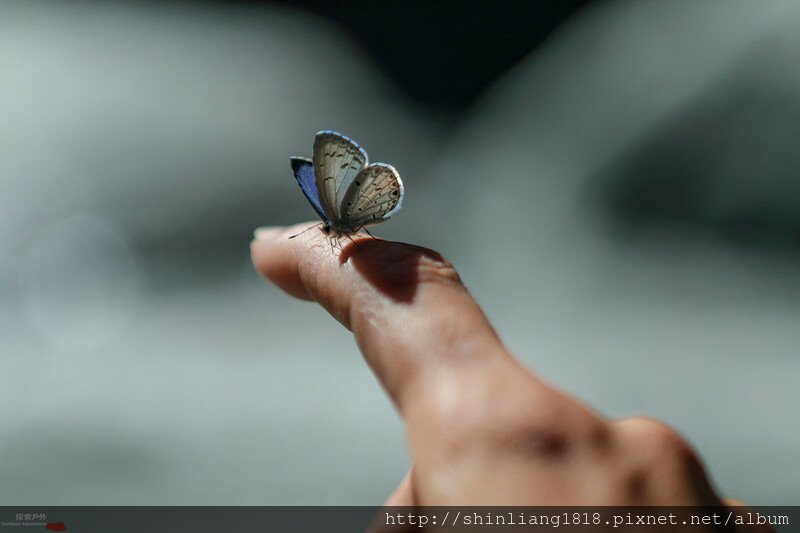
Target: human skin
(481,428)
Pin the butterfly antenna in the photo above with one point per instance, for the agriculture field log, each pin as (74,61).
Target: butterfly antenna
(305,230)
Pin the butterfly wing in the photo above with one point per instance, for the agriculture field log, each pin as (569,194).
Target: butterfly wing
(375,195)
(303,169)
(337,162)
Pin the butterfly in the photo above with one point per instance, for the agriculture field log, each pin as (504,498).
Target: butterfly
(347,192)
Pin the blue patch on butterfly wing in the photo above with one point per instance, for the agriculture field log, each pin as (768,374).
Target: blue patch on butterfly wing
(304,174)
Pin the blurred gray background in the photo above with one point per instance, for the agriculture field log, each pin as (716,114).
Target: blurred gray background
(617,182)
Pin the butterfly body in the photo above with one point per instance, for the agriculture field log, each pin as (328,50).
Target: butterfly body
(346,191)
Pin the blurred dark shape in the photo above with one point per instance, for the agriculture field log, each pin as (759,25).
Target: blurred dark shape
(725,163)
(445,54)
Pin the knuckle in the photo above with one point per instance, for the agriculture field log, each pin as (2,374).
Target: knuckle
(464,413)
(631,483)
(516,417)
(565,431)
(461,412)
(659,442)
(453,431)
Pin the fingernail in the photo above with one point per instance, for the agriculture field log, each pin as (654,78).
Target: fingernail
(265,232)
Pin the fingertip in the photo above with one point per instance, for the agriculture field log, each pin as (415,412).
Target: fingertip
(261,247)
(267,232)
(276,260)
(263,237)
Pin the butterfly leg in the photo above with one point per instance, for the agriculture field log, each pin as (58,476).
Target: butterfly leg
(351,240)
(368,233)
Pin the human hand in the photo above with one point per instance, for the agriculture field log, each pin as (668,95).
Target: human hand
(481,428)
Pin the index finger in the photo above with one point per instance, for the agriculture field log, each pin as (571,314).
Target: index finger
(410,314)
